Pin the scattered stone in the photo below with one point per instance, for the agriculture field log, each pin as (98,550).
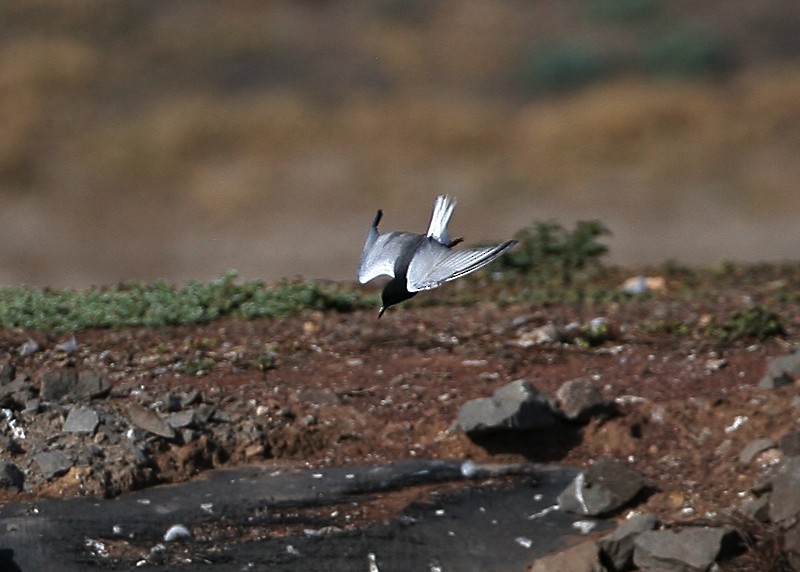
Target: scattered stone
(177,532)
(757,508)
(29,347)
(320,397)
(81,420)
(582,557)
(14,393)
(689,549)
(753,448)
(517,405)
(53,463)
(150,421)
(784,501)
(716,364)
(603,488)
(769,458)
(192,398)
(640,285)
(181,419)
(11,476)
(789,443)
(92,385)
(253,451)
(70,385)
(579,400)
(616,548)
(57,383)
(68,347)
(7,372)
(547,334)
(781,371)
(204,412)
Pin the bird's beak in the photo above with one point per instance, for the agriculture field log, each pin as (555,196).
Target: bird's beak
(383,309)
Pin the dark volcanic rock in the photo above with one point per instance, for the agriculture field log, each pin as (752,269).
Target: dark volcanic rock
(582,557)
(10,475)
(785,498)
(7,372)
(91,385)
(517,405)
(81,420)
(753,448)
(53,463)
(603,488)
(150,421)
(789,443)
(617,548)
(781,370)
(579,400)
(57,383)
(686,550)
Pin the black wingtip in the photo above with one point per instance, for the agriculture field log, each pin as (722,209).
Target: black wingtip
(378,216)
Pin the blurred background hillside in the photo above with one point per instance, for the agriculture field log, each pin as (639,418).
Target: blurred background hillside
(171,139)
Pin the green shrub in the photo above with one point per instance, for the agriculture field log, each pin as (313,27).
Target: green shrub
(623,10)
(756,323)
(564,67)
(688,51)
(552,253)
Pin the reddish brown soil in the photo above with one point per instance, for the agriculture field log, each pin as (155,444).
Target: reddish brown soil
(357,390)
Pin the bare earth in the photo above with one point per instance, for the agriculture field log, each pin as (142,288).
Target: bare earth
(348,389)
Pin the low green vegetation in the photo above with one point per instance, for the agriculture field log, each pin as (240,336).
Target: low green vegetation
(550,265)
(161,304)
(756,323)
(559,256)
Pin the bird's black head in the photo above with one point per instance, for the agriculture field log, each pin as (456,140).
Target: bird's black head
(393,293)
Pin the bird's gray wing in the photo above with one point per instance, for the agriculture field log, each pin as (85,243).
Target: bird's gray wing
(381,251)
(434,263)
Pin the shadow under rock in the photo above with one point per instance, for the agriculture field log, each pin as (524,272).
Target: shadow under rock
(537,445)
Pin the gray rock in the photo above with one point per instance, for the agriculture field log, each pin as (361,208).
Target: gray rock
(57,384)
(181,419)
(92,385)
(582,557)
(753,448)
(789,443)
(204,412)
(7,372)
(781,370)
(784,501)
(81,420)
(14,393)
(687,550)
(53,463)
(30,347)
(603,488)
(616,549)
(757,508)
(11,476)
(70,385)
(150,421)
(579,400)
(517,405)
(192,398)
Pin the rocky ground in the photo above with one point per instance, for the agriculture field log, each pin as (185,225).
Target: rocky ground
(705,418)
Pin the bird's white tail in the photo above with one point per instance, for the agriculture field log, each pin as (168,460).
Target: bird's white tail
(442,211)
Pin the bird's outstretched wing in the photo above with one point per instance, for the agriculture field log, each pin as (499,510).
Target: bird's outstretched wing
(440,217)
(381,251)
(434,263)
